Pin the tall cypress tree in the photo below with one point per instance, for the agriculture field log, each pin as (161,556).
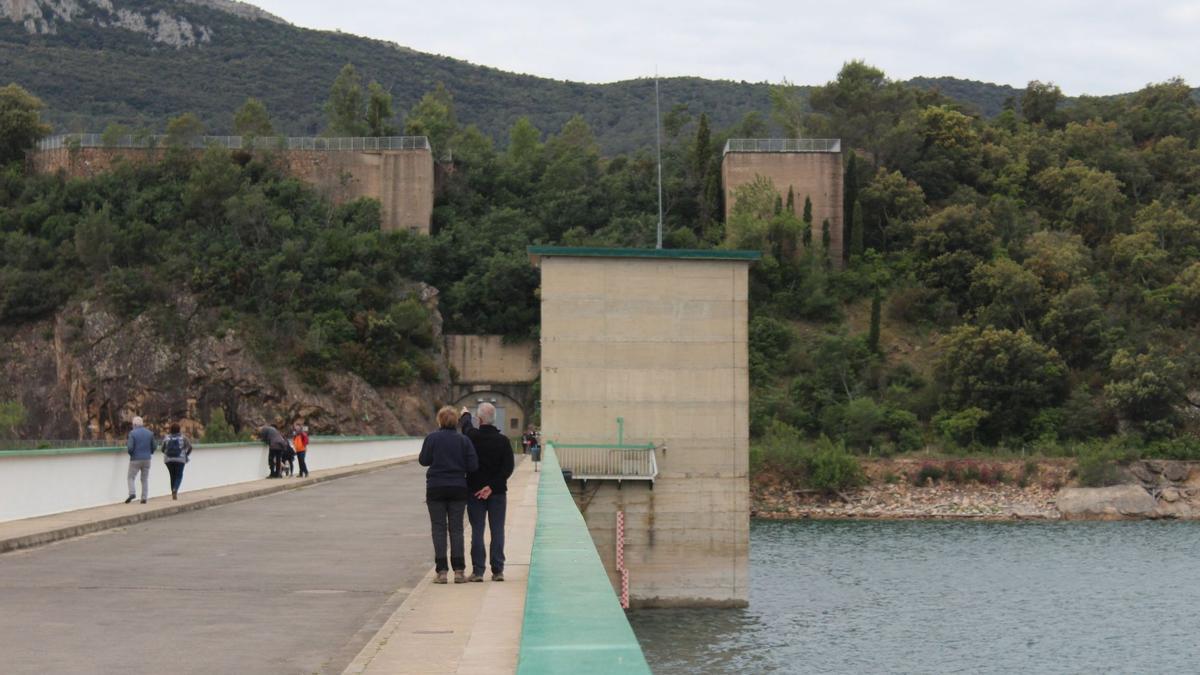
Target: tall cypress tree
(826,241)
(791,201)
(849,197)
(856,229)
(808,221)
(702,170)
(876,311)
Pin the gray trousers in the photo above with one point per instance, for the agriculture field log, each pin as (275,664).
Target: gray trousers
(136,465)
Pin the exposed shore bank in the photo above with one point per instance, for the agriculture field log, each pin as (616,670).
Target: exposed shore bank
(975,489)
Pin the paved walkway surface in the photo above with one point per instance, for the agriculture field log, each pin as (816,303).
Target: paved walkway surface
(294,582)
(473,628)
(30,532)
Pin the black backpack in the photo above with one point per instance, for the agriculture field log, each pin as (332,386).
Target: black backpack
(173,448)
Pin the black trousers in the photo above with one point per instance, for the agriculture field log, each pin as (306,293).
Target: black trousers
(176,471)
(275,461)
(446,507)
(303,464)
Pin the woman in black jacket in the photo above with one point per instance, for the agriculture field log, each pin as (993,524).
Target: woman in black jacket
(449,456)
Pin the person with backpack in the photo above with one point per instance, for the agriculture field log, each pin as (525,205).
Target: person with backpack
(300,443)
(177,452)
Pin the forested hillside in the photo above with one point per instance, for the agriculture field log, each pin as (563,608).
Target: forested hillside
(93,71)
(91,74)
(1032,281)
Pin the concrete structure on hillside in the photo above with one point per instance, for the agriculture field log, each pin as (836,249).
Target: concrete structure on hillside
(658,339)
(810,167)
(396,171)
(486,368)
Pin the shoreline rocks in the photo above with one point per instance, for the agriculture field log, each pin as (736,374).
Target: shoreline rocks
(1029,491)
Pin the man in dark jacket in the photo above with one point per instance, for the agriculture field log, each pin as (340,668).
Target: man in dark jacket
(489,489)
(276,444)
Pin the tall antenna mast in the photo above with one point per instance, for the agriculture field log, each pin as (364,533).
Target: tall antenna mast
(658,142)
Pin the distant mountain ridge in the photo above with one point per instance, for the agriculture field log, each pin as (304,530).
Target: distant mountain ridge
(140,62)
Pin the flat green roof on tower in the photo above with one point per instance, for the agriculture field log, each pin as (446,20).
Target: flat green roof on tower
(538,252)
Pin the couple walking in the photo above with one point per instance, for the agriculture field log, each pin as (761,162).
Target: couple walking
(468,471)
(176,449)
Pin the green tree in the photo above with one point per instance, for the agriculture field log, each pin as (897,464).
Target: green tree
(1161,110)
(949,244)
(114,134)
(860,106)
(876,318)
(1039,103)
(1075,325)
(1058,259)
(345,109)
(184,131)
(1006,295)
(433,116)
(1082,199)
(753,208)
(856,229)
(219,430)
(379,111)
(252,120)
(1007,374)
(891,203)
(95,241)
(12,417)
(807,219)
(787,108)
(20,123)
(1147,389)
(1187,284)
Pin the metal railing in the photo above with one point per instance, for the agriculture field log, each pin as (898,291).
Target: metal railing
(601,463)
(236,142)
(783,145)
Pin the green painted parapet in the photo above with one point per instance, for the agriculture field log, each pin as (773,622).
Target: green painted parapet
(573,621)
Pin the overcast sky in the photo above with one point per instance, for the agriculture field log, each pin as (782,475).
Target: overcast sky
(1092,47)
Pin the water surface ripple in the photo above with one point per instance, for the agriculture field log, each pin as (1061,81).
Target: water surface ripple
(948,597)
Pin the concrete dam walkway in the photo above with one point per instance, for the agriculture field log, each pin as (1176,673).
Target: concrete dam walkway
(294,582)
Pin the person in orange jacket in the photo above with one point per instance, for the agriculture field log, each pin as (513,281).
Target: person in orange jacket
(300,443)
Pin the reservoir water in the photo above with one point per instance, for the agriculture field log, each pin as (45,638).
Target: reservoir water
(948,597)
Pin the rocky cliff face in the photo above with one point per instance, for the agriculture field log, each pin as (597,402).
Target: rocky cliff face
(86,373)
(41,17)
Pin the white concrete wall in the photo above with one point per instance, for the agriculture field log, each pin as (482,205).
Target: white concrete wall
(42,484)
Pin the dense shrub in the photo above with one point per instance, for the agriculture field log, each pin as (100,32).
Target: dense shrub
(831,468)
(823,465)
(1097,466)
(928,473)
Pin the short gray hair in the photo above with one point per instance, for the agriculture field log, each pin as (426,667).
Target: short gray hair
(487,413)
(138,422)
